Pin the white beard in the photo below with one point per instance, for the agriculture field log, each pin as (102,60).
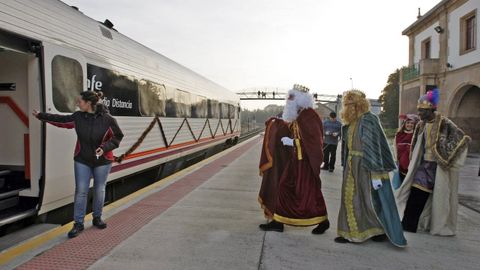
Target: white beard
(290,111)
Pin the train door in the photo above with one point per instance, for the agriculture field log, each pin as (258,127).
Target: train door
(65,79)
(20,138)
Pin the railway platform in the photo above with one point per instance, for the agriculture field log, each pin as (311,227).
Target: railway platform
(207,216)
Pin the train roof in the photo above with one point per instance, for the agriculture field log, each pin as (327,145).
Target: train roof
(56,22)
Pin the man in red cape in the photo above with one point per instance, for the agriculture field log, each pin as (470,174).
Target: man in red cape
(290,165)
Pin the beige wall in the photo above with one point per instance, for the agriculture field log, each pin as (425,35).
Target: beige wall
(468,116)
(459,98)
(409,100)
(462,104)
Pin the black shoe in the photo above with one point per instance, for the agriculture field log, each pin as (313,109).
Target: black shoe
(98,222)
(324,168)
(331,170)
(322,227)
(272,226)
(341,240)
(379,238)
(410,230)
(76,230)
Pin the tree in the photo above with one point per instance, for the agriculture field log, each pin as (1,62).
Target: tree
(257,118)
(389,99)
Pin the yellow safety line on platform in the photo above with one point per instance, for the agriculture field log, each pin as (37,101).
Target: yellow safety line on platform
(16,251)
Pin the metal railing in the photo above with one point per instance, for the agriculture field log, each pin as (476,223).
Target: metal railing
(411,72)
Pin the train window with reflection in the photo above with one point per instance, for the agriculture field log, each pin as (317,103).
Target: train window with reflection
(67,83)
(213,109)
(153,98)
(170,104)
(199,106)
(182,100)
(231,111)
(224,111)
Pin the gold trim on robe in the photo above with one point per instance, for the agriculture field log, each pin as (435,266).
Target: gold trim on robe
(299,222)
(348,199)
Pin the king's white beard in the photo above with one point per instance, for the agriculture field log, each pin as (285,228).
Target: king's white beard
(290,111)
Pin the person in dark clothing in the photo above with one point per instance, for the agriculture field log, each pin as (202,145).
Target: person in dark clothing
(97,135)
(332,128)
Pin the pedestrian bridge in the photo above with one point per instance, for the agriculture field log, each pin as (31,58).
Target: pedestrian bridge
(275,93)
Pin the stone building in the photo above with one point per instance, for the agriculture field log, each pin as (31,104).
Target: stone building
(444,52)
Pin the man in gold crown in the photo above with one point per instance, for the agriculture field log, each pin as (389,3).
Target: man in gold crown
(290,165)
(428,196)
(367,208)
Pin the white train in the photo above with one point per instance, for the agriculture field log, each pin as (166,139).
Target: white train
(49,53)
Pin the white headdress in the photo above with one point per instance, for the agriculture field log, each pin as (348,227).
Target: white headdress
(302,100)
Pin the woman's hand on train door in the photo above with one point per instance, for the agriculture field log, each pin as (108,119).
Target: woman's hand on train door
(99,152)
(35,113)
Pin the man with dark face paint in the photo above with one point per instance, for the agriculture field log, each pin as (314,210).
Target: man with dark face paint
(428,196)
(426,114)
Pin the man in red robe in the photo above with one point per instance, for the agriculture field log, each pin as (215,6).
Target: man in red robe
(290,165)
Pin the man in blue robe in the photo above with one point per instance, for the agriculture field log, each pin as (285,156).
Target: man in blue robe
(368,208)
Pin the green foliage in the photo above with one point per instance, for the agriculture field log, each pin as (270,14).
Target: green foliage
(390,101)
(258,116)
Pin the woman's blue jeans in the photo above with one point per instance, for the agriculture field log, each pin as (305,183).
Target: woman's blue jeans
(83,174)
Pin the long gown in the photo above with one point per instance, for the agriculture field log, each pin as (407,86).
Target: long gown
(365,212)
(291,187)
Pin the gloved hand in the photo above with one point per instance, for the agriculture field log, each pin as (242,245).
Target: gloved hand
(328,133)
(335,134)
(287,141)
(377,184)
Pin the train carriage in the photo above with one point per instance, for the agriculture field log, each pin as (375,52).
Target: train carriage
(49,53)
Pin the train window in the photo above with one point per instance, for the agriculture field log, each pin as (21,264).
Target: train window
(213,109)
(152,98)
(224,111)
(67,83)
(170,104)
(182,100)
(239,109)
(231,111)
(121,95)
(199,107)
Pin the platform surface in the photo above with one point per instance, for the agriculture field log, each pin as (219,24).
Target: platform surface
(209,220)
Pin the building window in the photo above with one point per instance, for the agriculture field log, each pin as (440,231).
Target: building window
(426,48)
(468,30)
(470,35)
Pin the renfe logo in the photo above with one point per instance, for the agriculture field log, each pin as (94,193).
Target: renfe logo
(93,85)
(120,92)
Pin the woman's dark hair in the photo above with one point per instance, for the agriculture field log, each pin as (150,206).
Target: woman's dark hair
(92,96)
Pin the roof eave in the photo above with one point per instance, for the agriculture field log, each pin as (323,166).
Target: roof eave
(425,17)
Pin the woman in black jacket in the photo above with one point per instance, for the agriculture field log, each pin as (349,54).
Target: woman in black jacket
(97,135)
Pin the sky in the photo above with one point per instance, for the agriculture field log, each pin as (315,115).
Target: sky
(243,44)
